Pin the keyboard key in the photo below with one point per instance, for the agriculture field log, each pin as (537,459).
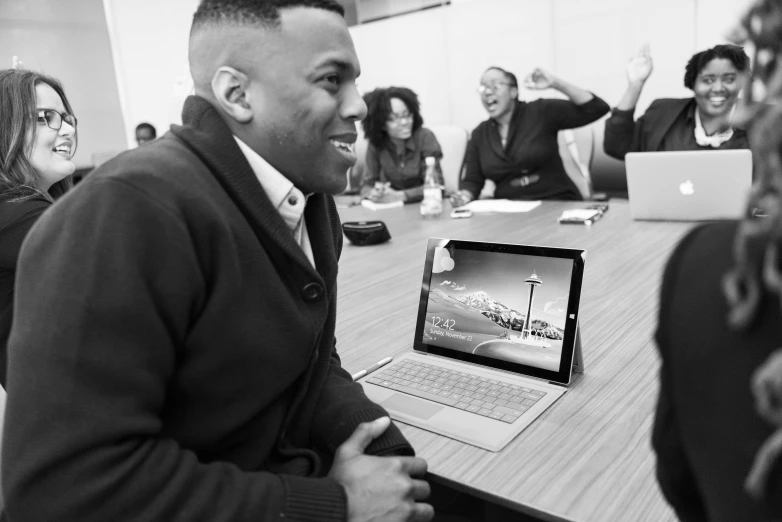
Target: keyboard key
(473,408)
(431,396)
(530,396)
(527,402)
(485,412)
(461,405)
(509,418)
(496,415)
(514,405)
(538,393)
(509,411)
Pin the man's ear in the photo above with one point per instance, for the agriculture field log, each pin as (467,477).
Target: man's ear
(229,89)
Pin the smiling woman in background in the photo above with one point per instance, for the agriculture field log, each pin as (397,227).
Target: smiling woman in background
(37,142)
(698,123)
(517,146)
(398,147)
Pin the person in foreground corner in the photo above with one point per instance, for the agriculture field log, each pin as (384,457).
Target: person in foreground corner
(516,147)
(703,122)
(36,146)
(187,369)
(719,457)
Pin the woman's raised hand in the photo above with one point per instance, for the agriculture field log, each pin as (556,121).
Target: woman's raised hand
(640,66)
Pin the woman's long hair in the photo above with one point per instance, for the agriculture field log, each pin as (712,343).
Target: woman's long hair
(758,244)
(19,124)
(379,110)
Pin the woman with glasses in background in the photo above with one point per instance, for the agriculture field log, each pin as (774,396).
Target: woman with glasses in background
(398,147)
(37,142)
(702,122)
(517,146)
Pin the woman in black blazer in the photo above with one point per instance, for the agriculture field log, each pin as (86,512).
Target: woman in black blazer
(37,142)
(702,122)
(718,428)
(517,146)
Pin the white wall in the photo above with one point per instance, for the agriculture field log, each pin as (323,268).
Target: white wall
(149,40)
(440,53)
(586,43)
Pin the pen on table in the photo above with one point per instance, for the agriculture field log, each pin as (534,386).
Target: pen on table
(370,369)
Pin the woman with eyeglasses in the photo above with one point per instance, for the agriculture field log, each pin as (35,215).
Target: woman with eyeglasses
(37,142)
(517,146)
(398,147)
(702,122)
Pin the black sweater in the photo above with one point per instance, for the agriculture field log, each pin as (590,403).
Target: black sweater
(16,219)
(172,356)
(706,431)
(531,150)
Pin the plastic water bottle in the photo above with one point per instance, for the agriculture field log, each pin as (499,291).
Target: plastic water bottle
(432,204)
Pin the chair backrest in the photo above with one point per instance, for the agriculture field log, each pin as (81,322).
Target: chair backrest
(453,142)
(608,174)
(356,173)
(577,148)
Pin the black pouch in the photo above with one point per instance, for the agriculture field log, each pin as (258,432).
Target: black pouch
(366,232)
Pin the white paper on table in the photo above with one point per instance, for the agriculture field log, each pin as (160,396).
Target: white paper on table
(501,205)
(366,203)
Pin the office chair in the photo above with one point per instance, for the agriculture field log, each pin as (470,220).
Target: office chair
(577,147)
(453,142)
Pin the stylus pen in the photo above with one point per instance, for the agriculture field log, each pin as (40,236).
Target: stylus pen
(379,364)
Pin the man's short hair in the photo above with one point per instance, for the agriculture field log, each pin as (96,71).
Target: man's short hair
(148,126)
(253,12)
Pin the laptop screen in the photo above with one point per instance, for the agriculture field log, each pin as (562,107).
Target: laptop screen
(511,307)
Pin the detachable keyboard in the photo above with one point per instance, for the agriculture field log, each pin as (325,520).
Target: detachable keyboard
(468,392)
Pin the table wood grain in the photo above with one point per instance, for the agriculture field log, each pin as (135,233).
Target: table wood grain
(587,458)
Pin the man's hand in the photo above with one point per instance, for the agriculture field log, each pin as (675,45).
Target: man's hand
(380,489)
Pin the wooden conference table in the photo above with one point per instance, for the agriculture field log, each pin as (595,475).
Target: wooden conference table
(589,457)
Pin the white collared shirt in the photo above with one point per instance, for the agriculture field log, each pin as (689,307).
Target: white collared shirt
(286,198)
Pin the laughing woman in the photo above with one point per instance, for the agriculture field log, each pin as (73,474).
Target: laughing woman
(698,123)
(517,146)
(37,142)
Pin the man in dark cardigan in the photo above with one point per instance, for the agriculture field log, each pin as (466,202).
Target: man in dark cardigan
(172,357)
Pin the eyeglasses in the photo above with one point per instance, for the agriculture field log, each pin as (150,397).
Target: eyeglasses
(54,119)
(492,87)
(399,118)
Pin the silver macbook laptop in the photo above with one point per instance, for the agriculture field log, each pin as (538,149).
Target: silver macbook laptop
(688,185)
(495,342)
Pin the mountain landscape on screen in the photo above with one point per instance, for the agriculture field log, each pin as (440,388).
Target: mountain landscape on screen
(505,316)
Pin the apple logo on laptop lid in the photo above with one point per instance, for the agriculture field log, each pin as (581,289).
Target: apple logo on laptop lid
(687,188)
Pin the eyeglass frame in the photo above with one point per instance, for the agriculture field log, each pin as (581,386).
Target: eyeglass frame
(396,119)
(482,89)
(63,118)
